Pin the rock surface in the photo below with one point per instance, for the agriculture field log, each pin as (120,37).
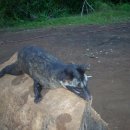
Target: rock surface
(59,109)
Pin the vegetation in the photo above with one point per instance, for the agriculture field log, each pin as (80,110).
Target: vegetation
(35,13)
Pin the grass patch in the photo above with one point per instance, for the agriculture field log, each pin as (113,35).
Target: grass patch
(101,17)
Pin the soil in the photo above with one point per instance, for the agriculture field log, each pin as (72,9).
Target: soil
(105,48)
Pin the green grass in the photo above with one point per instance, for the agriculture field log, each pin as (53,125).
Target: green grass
(101,17)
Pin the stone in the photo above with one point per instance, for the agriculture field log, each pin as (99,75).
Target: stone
(59,109)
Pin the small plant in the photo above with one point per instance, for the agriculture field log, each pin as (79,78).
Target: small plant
(101,6)
(124,7)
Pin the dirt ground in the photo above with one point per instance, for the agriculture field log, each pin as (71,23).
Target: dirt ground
(105,48)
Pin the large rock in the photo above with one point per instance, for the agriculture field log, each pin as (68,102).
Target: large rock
(59,110)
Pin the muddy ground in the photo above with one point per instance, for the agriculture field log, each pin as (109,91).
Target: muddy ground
(105,48)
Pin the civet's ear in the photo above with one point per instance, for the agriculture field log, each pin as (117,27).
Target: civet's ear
(82,68)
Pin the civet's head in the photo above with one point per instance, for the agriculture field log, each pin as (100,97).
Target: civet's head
(73,78)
